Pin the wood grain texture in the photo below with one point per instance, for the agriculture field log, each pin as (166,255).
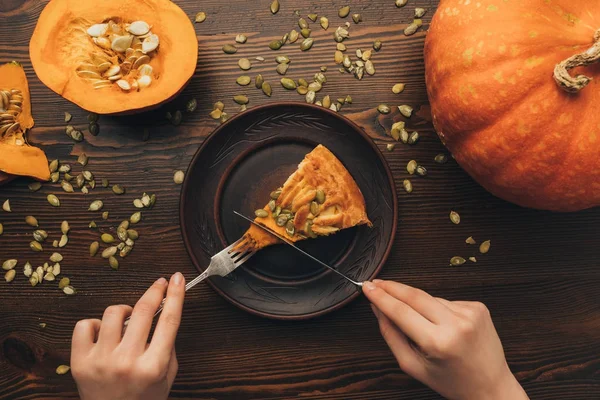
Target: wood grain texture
(540,278)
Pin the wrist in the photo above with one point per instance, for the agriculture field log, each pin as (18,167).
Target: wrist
(508,389)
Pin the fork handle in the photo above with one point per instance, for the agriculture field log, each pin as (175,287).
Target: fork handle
(188,286)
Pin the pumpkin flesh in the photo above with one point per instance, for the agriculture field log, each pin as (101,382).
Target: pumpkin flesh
(60,43)
(17,157)
(496,106)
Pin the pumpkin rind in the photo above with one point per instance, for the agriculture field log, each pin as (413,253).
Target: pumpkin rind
(60,42)
(495,104)
(17,157)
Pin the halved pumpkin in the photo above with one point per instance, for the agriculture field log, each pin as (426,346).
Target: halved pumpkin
(87,51)
(16,156)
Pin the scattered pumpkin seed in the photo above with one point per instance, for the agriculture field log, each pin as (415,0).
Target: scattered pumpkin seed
(421,170)
(63,282)
(118,189)
(92,225)
(113,262)
(6,206)
(82,159)
(53,166)
(241,38)
(313,17)
(484,247)
(64,239)
(260,213)
(413,27)
(191,105)
(305,32)
(473,259)
(200,17)
(282,68)
(306,44)
(40,235)
(310,96)
(49,276)
(275,45)
(324,22)
(54,177)
(244,64)
(470,240)
(302,23)
(277,211)
(56,257)
(96,205)
(390,146)
(135,217)
(33,280)
(109,252)
(224,117)
(64,168)
(53,200)
(9,264)
(69,291)
(31,221)
(401,3)
(138,203)
(216,113)
(67,187)
(1,229)
(369,67)
(404,135)
(397,129)
(84,190)
(405,110)
(258,81)
(398,88)
(94,248)
(275,6)
(10,275)
(356,18)
(36,246)
(383,109)
(456,261)
(107,238)
(240,99)
(293,36)
(344,11)
(441,158)
(179,175)
(288,83)
(35,186)
(132,234)
(454,217)
(302,90)
(411,167)
(407,184)
(68,117)
(419,12)
(315,86)
(105,215)
(243,80)
(229,49)
(413,138)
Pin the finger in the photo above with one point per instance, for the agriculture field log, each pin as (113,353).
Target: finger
(173,367)
(142,316)
(408,359)
(410,322)
(417,299)
(111,328)
(450,304)
(85,334)
(163,340)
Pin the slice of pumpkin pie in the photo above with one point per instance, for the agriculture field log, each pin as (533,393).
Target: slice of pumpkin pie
(319,199)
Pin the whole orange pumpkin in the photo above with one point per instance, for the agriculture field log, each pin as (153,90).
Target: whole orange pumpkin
(512,97)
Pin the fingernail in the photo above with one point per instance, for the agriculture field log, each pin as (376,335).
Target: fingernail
(161,281)
(377,281)
(177,278)
(375,311)
(369,285)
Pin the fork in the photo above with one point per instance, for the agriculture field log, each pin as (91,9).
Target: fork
(222,264)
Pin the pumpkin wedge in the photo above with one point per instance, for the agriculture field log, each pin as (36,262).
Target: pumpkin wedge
(114,57)
(16,156)
(507,87)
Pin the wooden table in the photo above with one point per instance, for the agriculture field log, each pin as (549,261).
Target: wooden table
(541,278)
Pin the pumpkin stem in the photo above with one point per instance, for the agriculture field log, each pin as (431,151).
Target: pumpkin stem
(561,72)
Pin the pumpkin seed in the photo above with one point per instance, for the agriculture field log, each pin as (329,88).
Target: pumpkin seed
(398,88)
(49,276)
(64,239)
(275,194)
(441,158)
(27,269)
(53,200)
(191,105)
(306,44)
(241,38)
(484,247)
(338,57)
(224,117)
(470,240)
(313,17)
(277,211)
(404,135)
(411,167)
(94,131)
(383,109)
(240,99)
(113,262)
(260,213)
(282,68)
(107,238)
(348,99)
(456,261)
(272,205)
(320,196)
(10,275)
(56,257)
(473,259)
(327,101)
(302,90)
(407,184)
(369,68)
(344,11)
(405,110)
(9,264)
(82,159)
(216,113)
(315,86)
(1,229)
(200,17)
(35,246)
(302,23)
(94,248)
(340,34)
(80,181)
(401,3)
(54,176)
(35,186)
(243,80)
(324,22)
(244,64)
(31,221)
(275,45)
(118,189)
(356,18)
(177,117)
(288,83)
(66,186)
(290,229)
(64,168)
(96,205)
(310,97)
(413,138)
(419,12)
(87,175)
(33,280)
(390,146)
(421,170)
(305,32)
(135,217)
(92,225)
(69,291)
(293,36)
(275,6)
(229,49)
(411,29)
(40,235)
(454,217)
(397,129)
(64,282)
(132,234)
(266,88)
(68,117)
(6,206)
(109,251)
(105,215)
(55,269)
(314,208)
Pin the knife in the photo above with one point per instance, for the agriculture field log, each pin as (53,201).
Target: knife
(290,243)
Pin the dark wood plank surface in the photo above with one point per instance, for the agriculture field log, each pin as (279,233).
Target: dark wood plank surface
(541,278)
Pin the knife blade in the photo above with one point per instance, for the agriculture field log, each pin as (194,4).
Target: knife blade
(290,243)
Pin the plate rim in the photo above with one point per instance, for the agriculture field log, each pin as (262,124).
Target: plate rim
(356,128)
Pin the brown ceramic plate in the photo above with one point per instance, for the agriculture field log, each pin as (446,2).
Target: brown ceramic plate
(240,164)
